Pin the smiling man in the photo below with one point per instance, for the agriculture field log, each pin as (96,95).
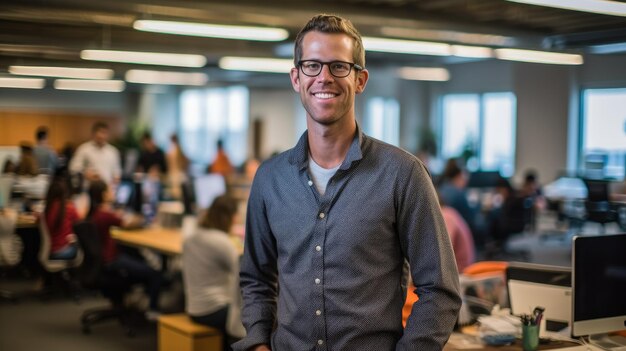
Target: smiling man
(331,223)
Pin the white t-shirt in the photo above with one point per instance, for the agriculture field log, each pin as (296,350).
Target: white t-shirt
(104,160)
(320,175)
(210,266)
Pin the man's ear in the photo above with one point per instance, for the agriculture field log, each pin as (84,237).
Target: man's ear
(295,79)
(361,80)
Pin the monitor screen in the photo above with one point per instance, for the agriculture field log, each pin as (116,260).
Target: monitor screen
(207,188)
(598,284)
(483,179)
(531,285)
(124,193)
(128,196)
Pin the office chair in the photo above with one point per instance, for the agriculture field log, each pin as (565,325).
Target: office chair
(510,220)
(597,205)
(10,246)
(93,274)
(58,270)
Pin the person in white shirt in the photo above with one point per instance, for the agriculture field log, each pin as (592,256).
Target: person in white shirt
(97,159)
(211,267)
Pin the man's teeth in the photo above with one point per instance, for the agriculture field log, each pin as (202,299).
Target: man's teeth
(325,95)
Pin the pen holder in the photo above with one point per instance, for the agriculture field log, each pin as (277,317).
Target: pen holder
(530,337)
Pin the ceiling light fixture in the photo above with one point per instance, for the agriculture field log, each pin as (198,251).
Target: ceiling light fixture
(424,73)
(406,46)
(256,64)
(603,7)
(145,58)
(471,51)
(212,30)
(90,85)
(66,72)
(166,78)
(22,83)
(539,56)
(447,35)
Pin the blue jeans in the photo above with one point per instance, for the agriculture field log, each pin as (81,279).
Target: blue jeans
(67,253)
(217,320)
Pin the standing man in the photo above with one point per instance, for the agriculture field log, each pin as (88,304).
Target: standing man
(331,222)
(46,157)
(97,159)
(151,158)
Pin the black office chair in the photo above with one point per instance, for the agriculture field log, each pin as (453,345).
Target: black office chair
(508,220)
(597,205)
(93,274)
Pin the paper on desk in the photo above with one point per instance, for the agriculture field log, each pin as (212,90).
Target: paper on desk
(465,342)
(494,325)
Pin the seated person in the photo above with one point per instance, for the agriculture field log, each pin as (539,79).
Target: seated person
(103,217)
(221,164)
(460,237)
(453,193)
(60,216)
(509,213)
(210,267)
(27,165)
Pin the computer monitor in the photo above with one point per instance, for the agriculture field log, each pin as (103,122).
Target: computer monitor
(599,286)
(124,193)
(207,188)
(483,179)
(531,285)
(128,196)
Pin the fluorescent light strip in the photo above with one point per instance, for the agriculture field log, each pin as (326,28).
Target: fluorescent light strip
(212,30)
(22,83)
(66,72)
(406,46)
(603,7)
(145,58)
(471,51)
(166,78)
(90,85)
(539,57)
(424,73)
(447,36)
(256,64)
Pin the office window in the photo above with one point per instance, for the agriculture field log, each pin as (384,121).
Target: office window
(211,114)
(603,146)
(480,128)
(382,120)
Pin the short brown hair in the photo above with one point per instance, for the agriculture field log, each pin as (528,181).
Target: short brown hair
(333,25)
(220,214)
(99,126)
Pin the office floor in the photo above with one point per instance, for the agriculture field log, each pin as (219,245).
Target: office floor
(54,324)
(34,324)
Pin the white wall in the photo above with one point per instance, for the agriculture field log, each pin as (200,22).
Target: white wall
(279,109)
(542,118)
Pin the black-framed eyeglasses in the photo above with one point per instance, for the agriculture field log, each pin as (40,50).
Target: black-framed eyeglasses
(338,69)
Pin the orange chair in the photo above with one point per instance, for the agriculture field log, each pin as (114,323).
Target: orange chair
(485,267)
(411,298)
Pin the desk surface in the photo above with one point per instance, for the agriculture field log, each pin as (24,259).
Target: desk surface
(456,342)
(164,240)
(168,241)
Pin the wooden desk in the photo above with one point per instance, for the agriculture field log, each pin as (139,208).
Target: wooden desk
(167,241)
(517,346)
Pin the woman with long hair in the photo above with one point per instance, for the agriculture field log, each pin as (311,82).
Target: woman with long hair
(60,216)
(103,217)
(211,266)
